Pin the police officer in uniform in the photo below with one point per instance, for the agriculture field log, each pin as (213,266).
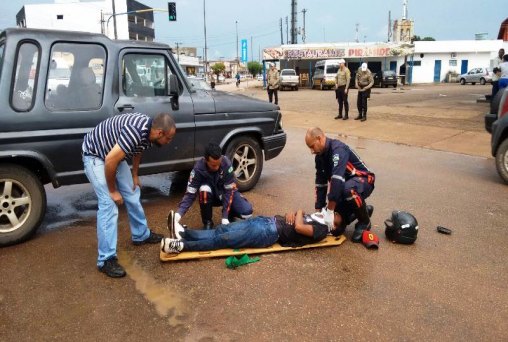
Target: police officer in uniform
(364,81)
(273,83)
(342,80)
(351,182)
(213,180)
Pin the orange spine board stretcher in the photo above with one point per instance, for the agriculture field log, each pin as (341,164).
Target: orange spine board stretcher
(327,242)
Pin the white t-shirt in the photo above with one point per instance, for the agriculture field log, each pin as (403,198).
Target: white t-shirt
(504,69)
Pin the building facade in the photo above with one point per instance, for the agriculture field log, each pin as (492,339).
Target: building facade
(420,62)
(91,16)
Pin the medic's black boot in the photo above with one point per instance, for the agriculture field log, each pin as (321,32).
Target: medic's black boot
(363,223)
(206,215)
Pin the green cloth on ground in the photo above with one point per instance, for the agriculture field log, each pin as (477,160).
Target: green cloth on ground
(234,261)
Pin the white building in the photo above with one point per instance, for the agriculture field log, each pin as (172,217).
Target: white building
(432,60)
(91,16)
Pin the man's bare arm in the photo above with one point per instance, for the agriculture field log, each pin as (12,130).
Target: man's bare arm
(114,157)
(300,226)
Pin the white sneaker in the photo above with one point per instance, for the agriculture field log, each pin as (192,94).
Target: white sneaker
(169,245)
(175,228)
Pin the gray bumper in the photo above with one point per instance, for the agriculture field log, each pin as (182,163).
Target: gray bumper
(273,145)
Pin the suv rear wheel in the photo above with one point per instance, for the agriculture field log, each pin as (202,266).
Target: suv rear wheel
(482,81)
(247,159)
(502,160)
(462,81)
(22,204)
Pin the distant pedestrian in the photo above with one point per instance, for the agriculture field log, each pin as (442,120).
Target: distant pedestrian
(342,80)
(503,79)
(273,83)
(364,81)
(496,72)
(237,80)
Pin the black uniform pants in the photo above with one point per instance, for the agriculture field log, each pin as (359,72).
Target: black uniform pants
(271,93)
(342,99)
(361,102)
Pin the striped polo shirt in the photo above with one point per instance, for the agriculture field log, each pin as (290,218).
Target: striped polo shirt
(130,131)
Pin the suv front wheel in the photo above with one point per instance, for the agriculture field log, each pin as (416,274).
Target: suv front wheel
(22,204)
(247,159)
(502,160)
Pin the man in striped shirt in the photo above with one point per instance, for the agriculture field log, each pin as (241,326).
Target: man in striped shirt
(105,151)
(351,182)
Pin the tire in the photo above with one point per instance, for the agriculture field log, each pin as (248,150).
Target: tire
(482,81)
(494,103)
(247,159)
(395,86)
(473,83)
(462,81)
(502,160)
(296,88)
(23,199)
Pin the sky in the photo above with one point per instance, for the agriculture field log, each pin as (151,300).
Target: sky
(325,21)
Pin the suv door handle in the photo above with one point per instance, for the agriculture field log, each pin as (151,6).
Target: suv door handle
(125,106)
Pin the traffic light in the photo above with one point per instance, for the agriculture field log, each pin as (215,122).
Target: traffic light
(172,11)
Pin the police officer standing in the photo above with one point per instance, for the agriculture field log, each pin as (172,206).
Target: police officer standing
(342,80)
(364,81)
(351,182)
(213,179)
(273,82)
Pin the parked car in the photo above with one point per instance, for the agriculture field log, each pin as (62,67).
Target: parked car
(496,122)
(476,75)
(259,77)
(289,79)
(42,129)
(385,78)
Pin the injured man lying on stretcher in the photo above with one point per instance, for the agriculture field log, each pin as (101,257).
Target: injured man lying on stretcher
(293,230)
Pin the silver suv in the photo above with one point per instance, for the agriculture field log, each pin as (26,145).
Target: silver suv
(476,75)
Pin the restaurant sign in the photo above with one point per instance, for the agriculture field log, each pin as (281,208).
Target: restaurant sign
(337,52)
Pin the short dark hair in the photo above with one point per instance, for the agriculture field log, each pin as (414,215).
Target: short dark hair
(496,69)
(213,150)
(163,121)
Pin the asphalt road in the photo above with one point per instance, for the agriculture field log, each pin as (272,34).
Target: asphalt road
(441,288)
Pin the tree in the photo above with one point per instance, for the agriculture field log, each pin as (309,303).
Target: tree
(218,68)
(418,38)
(254,68)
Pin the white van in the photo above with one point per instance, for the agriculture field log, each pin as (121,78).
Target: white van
(324,74)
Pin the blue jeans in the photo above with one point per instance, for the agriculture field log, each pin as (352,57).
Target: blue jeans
(107,214)
(255,232)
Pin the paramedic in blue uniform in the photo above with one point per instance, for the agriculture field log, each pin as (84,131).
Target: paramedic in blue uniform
(350,182)
(213,180)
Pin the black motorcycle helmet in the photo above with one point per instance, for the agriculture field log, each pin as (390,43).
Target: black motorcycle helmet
(401,228)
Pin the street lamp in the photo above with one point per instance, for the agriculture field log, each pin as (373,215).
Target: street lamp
(237,59)
(204,24)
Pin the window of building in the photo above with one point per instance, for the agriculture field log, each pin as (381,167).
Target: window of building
(145,75)
(25,78)
(416,63)
(59,16)
(452,62)
(76,77)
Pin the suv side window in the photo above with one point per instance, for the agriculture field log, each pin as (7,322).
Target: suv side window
(27,60)
(145,75)
(75,77)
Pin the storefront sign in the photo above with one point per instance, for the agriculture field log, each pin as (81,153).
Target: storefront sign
(336,52)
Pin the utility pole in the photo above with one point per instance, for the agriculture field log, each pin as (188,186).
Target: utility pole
(204,24)
(237,58)
(251,51)
(287,30)
(303,33)
(281,34)
(178,52)
(294,37)
(357,40)
(389,26)
(114,19)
